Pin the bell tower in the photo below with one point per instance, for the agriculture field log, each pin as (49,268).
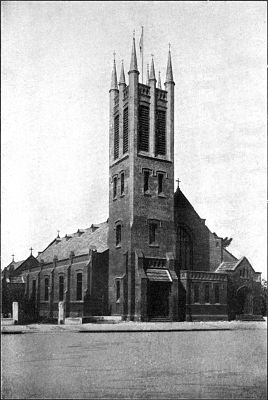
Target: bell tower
(141,190)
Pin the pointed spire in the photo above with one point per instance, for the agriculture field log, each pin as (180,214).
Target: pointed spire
(114,85)
(169,75)
(147,81)
(133,62)
(122,79)
(152,72)
(159,81)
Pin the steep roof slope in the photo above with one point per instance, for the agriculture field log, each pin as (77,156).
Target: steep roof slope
(79,243)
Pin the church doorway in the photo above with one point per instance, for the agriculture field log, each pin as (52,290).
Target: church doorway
(244,300)
(158,299)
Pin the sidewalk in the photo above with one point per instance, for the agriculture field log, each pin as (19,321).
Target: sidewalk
(135,327)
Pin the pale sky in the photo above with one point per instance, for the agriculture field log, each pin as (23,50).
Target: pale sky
(56,69)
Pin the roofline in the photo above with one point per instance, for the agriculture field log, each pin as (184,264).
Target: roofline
(84,229)
(179,190)
(224,248)
(240,260)
(46,248)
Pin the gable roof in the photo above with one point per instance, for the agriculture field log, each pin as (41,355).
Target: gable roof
(231,266)
(79,243)
(15,265)
(226,266)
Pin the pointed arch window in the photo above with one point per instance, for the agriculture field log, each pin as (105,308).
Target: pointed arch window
(125,130)
(118,232)
(143,136)
(160,140)
(116,137)
(61,287)
(34,289)
(46,289)
(79,282)
(217,293)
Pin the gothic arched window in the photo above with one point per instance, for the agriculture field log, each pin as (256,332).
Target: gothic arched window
(184,249)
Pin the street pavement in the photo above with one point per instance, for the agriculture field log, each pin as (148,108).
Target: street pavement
(135,326)
(198,360)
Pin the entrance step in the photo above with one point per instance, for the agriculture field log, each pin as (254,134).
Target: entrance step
(249,317)
(160,319)
(102,319)
(73,321)
(7,321)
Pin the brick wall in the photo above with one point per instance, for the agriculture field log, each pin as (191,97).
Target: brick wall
(207,247)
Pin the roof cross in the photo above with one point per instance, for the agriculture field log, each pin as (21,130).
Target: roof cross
(178,180)
(12,255)
(31,250)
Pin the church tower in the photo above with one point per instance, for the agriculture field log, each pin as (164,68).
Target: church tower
(142,281)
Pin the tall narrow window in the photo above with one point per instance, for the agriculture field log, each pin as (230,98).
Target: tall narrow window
(118,235)
(34,289)
(61,288)
(79,281)
(125,131)
(196,293)
(122,183)
(146,175)
(46,289)
(160,140)
(217,293)
(117,290)
(206,293)
(143,137)
(115,187)
(27,285)
(160,183)
(116,137)
(152,232)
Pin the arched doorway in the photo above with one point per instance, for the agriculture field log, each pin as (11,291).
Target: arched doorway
(158,299)
(244,300)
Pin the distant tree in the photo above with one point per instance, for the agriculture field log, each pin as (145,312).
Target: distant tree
(226,242)
(264,296)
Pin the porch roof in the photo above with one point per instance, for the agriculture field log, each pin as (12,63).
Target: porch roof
(158,275)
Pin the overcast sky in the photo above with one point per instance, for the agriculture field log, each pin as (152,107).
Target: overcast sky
(56,70)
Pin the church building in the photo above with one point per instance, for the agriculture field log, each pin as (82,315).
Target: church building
(154,259)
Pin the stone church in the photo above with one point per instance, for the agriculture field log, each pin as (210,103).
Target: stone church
(154,258)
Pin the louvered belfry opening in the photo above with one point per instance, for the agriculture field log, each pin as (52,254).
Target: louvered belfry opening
(143,142)
(116,137)
(125,130)
(160,140)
